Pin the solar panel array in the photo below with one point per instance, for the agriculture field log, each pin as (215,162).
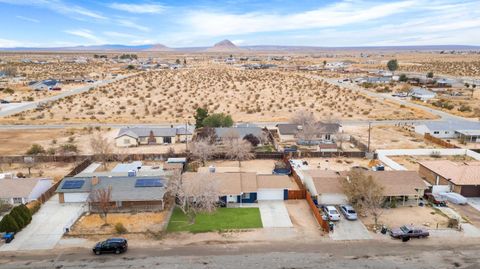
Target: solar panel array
(148,182)
(73,184)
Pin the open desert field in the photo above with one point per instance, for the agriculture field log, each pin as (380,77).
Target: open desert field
(248,95)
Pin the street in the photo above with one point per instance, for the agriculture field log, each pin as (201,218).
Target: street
(351,254)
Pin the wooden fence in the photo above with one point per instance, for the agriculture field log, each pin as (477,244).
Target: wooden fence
(296,194)
(49,193)
(428,137)
(80,167)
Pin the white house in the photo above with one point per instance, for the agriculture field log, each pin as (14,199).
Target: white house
(23,190)
(136,136)
(467,130)
(47,84)
(422,94)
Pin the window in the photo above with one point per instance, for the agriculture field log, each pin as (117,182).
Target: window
(436,132)
(327,137)
(126,141)
(118,203)
(167,140)
(246,195)
(17,200)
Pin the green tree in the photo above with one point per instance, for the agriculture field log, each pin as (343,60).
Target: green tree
(8,224)
(392,65)
(218,120)
(36,149)
(430,74)
(199,116)
(25,212)
(403,78)
(18,218)
(177,61)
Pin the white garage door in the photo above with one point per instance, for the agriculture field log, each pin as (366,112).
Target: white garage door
(75,197)
(269,194)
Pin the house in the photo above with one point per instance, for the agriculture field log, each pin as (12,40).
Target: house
(127,193)
(326,185)
(462,178)
(23,190)
(378,80)
(136,136)
(47,84)
(240,187)
(325,132)
(444,83)
(240,131)
(421,94)
(468,131)
(126,169)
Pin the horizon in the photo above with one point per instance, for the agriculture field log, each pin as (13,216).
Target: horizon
(187,24)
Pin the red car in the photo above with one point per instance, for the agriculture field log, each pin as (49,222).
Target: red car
(56,89)
(435,199)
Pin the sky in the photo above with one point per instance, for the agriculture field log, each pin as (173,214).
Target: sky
(192,23)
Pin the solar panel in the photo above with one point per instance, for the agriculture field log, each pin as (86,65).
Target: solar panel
(148,182)
(73,184)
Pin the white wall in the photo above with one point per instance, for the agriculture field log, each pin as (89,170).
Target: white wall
(41,187)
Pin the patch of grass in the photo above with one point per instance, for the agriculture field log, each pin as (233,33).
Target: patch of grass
(220,220)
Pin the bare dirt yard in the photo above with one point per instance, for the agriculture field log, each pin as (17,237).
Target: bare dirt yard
(411,162)
(406,215)
(257,166)
(336,164)
(55,170)
(248,95)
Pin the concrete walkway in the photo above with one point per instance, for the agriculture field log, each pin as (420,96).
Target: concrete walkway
(346,230)
(47,226)
(274,214)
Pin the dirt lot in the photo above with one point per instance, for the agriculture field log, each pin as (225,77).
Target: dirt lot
(302,218)
(52,170)
(411,162)
(416,215)
(134,223)
(258,166)
(337,164)
(388,137)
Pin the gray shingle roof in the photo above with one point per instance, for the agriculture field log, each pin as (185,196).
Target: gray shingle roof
(145,132)
(452,125)
(242,131)
(292,129)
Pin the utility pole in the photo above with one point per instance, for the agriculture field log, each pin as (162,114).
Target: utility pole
(369,133)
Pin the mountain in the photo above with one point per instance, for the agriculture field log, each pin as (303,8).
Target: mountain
(224,45)
(159,47)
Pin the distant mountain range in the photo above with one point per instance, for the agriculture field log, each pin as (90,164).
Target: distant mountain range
(228,46)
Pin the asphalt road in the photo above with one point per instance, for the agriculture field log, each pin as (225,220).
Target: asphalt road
(349,254)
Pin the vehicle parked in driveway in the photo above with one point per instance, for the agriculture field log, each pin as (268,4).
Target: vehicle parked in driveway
(349,212)
(331,212)
(4,101)
(435,199)
(408,231)
(454,197)
(112,245)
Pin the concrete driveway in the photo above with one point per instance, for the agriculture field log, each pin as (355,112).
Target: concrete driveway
(274,214)
(349,230)
(47,226)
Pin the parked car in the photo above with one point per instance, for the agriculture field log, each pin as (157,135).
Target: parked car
(407,232)
(4,101)
(348,212)
(112,245)
(435,199)
(56,89)
(331,212)
(454,198)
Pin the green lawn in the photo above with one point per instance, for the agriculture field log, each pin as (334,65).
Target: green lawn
(222,219)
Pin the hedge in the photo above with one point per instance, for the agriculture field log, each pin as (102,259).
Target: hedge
(8,225)
(18,218)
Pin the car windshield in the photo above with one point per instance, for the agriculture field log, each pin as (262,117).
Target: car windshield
(333,211)
(404,229)
(351,211)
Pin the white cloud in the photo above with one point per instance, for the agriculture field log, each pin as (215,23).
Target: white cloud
(150,8)
(27,19)
(58,6)
(119,35)
(131,24)
(87,34)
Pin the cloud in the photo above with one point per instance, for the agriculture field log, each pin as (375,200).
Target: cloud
(27,19)
(119,35)
(87,34)
(131,24)
(58,6)
(149,8)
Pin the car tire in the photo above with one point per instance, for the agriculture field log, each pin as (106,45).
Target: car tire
(97,252)
(117,251)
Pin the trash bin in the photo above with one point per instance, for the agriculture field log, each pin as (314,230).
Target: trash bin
(331,225)
(384,230)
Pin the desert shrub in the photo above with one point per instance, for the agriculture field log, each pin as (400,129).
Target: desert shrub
(465,108)
(35,149)
(120,229)
(252,139)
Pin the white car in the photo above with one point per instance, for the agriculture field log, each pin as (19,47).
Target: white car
(331,212)
(454,198)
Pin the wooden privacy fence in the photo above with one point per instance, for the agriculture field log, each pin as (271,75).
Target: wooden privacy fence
(440,142)
(296,194)
(316,213)
(49,193)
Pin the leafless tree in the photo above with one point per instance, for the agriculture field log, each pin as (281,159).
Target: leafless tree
(303,117)
(230,136)
(202,150)
(102,199)
(309,128)
(364,193)
(101,147)
(239,150)
(200,195)
(29,164)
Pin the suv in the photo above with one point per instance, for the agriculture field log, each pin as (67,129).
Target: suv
(112,245)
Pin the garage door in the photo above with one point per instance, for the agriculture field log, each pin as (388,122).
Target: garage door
(263,195)
(75,197)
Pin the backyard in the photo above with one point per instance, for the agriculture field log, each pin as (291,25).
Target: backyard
(222,219)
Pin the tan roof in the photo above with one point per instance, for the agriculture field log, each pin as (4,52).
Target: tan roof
(19,187)
(467,173)
(236,183)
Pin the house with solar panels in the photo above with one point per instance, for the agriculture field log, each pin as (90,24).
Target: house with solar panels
(127,193)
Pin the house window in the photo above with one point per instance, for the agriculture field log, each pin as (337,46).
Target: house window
(327,137)
(167,140)
(142,139)
(436,132)
(246,195)
(126,141)
(17,200)
(446,132)
(118,203)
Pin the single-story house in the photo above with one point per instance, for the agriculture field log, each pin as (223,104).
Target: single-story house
(326,185)
(125,169)
(240,187)
(469,131)
(47,84)
(127,193)
(326,132)
(379,80)
(421,94)
(135,136)
(462,178)
(23,190)
(240,131)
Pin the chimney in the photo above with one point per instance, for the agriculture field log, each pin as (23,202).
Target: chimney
(95,180)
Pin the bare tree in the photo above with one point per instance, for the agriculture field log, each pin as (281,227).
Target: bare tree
(202,150)
(101,147)
(239,150)
(230,136)
(194,196)
(303,117)
(102,199)
(364,193)
(307,124)
(29,164)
